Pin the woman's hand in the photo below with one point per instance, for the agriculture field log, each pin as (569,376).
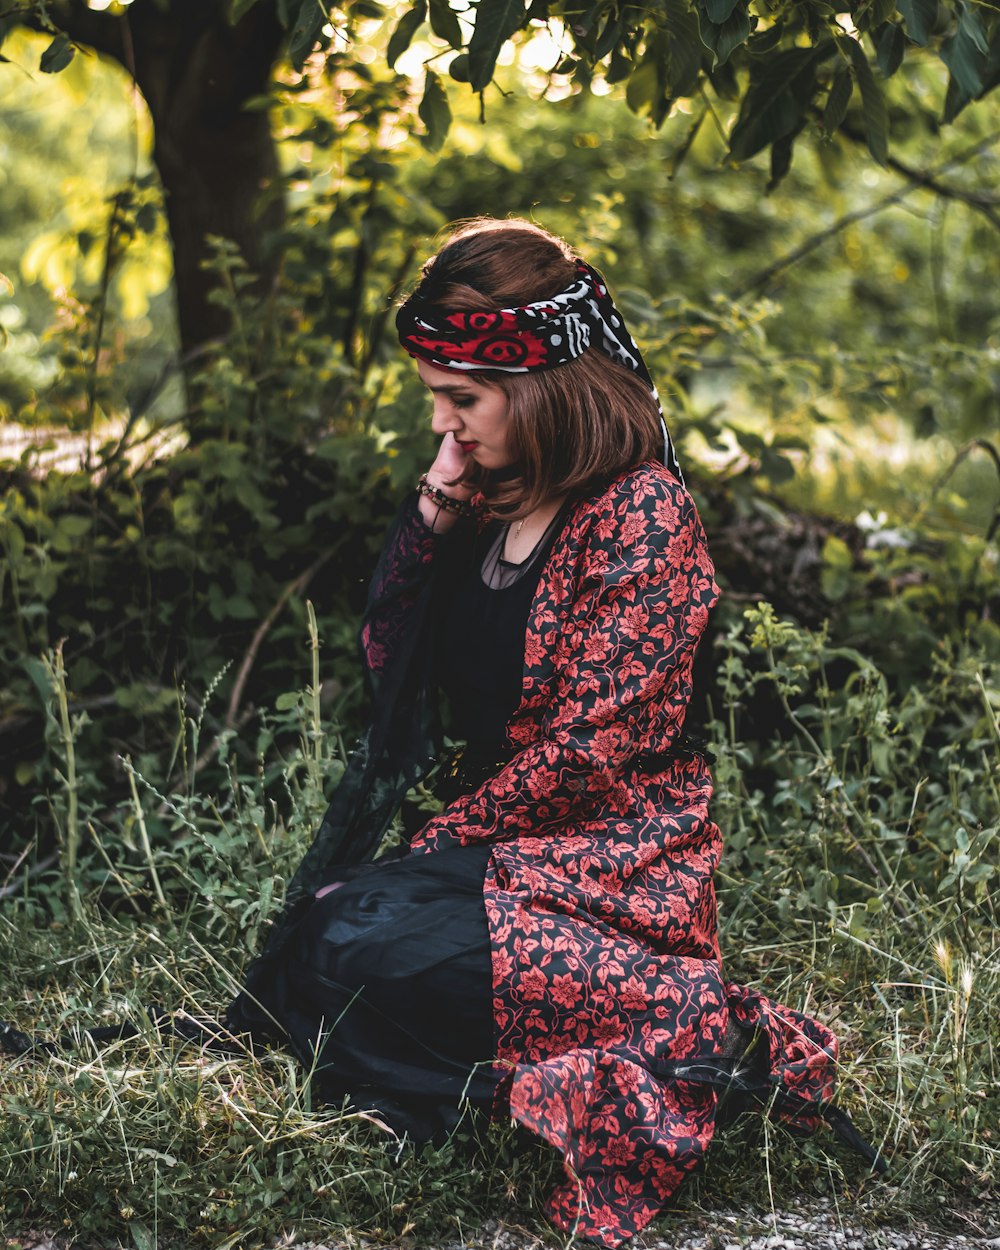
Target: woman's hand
(449,464)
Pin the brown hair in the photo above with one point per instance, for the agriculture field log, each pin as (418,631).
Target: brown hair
(570,426)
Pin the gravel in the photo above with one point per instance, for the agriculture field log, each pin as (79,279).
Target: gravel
(821,1227)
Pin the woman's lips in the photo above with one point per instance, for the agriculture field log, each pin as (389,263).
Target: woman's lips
(466,447)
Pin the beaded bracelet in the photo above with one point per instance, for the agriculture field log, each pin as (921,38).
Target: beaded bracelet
(460,507)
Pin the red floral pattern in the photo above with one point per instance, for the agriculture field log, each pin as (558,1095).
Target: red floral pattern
(599,895)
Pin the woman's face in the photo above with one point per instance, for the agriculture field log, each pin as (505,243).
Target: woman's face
(473,412)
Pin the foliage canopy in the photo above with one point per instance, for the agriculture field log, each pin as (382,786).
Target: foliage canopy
(786,64)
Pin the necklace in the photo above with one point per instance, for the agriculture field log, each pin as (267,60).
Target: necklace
(509,543)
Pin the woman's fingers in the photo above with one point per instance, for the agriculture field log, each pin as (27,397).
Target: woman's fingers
(448,464)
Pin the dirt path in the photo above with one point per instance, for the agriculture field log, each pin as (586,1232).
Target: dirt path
(820,1227)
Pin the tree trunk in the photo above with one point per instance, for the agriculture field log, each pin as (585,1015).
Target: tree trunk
(216,160)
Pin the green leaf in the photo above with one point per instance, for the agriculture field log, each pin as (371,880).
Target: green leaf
(608,38)
(142,1238)
(724,81)
(239,9)
(920,17)
(841,90)
(459,67)
(147,218)
(406,28)
(57,55)
(434,111)
(241,607)
(970,24)
(724,38)
(780,91)
(684,49)
(873,106)
(965,53)
(836,553)
(643,88)
(838,564)
(764,41)
(305,32)
(890,43)
(445,24)
(718,11)
(751,443)
(619,67)
(496,21)
(74,526)
(781,159)
(873,14)
(882,11)
(679,156)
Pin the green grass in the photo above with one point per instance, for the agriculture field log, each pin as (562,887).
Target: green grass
(860,884)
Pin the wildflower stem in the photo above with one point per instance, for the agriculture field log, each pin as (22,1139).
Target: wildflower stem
(56,670)
(147,849)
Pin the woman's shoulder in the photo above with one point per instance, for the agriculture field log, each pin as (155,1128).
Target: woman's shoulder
(642,516)
(642,488)
(640,527)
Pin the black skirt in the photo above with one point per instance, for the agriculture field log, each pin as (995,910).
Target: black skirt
(383,987)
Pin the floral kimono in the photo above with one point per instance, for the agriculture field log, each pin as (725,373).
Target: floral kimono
(614,1025)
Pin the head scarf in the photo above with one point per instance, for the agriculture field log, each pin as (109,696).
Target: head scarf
(542,335)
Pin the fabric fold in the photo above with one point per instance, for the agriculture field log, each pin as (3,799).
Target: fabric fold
(620,1168)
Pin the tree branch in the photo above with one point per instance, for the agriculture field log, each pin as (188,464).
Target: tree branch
(763,277)
(293,587)
(916,180)
(982,201)
(977,444)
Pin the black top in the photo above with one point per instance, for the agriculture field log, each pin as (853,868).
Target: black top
(480,639)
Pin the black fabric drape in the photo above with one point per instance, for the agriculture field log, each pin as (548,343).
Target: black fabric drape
(394,753)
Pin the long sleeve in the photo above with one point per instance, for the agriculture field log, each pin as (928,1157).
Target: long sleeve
(398,746)
(400,575)
(410,555)
(622,657)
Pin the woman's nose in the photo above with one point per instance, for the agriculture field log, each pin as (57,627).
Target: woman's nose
(444,418)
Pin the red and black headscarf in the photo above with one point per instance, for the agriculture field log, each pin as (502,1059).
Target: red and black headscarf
(542,335)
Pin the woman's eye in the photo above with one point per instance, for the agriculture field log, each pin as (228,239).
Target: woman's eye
(464,402)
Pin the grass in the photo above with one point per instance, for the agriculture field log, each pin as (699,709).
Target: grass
(860,884)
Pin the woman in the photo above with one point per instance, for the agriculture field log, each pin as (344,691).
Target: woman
(547,943)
